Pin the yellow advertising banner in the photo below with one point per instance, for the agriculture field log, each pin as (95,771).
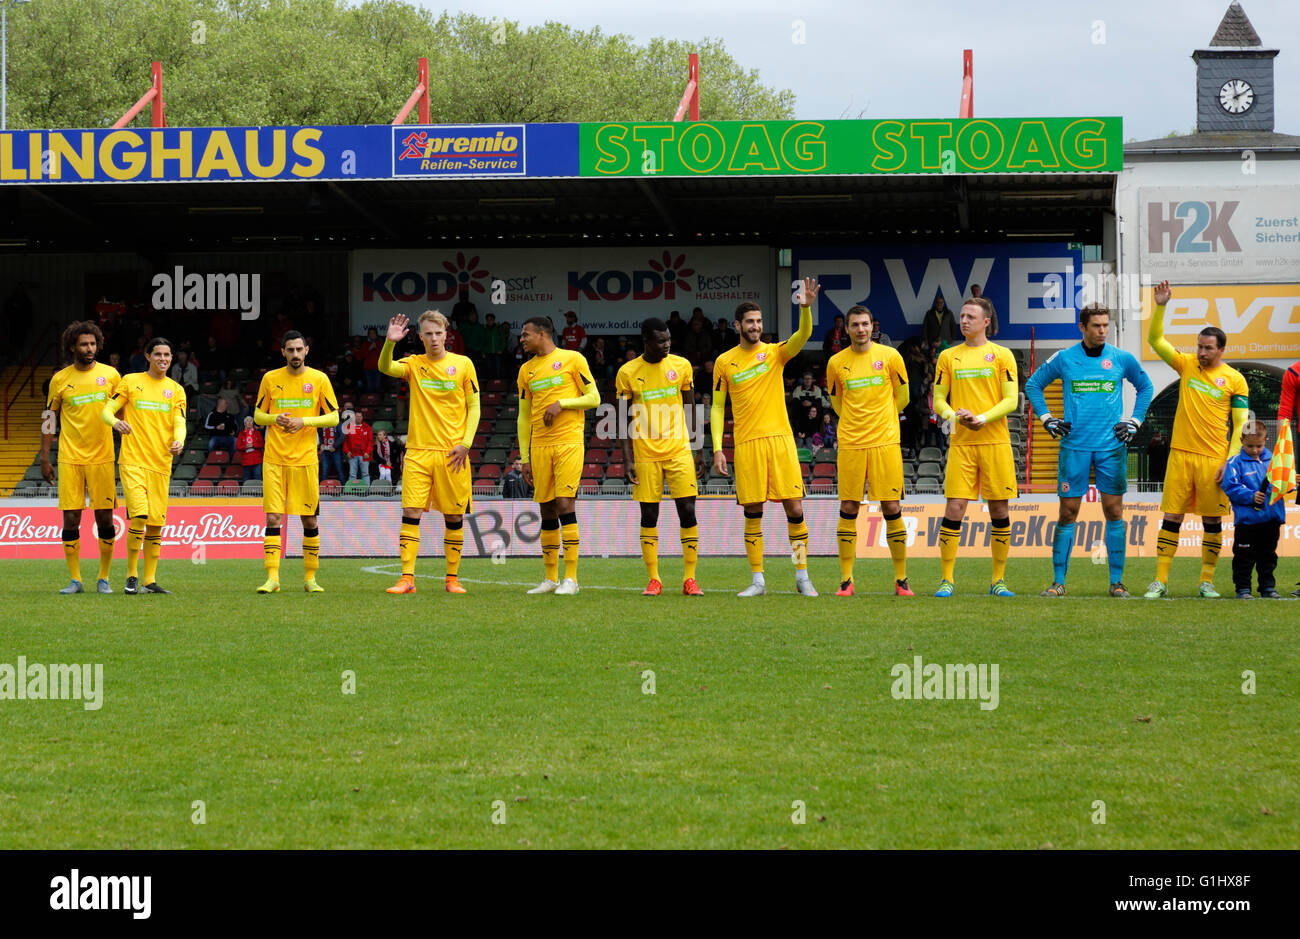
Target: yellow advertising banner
(1262,320)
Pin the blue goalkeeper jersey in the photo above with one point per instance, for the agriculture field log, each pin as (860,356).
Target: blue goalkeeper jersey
(1092,389)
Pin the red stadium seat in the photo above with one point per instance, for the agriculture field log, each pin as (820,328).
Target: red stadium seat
(210,472)
(201,487)
(488,413)
(480,441)
(728,440)
(368,415)
(496,384)
(805,469)
(615,471)
(824,471)
(490,472)
(494,398)
(235,472)
(218,458)
(331,487)
(228,488)
(592,471)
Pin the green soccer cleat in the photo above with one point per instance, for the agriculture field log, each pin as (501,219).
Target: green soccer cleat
(1156,591)
(312,587)
(1208,591)
(271,586)
(946,589)
(1000,589)
(1056,590)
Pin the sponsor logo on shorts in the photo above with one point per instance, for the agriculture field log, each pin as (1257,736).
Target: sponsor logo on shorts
(1065,487)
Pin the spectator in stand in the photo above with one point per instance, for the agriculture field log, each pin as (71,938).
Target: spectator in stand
(233,397)
(223,427)
(250,445)
(723,337)
(698,344)
(916,415)
(1157,456)
(877,335)
(827,438)
(807,423)
(472,333)
(330,451)
(115,362)
(809,394)
(464,306)
(185,374)
(496,340)
(600,358)
(388,456)
(574,335)
(837,337)
(139,362)
(215,362)
(279,326)
(370,361)
(676,327)
(358,447)
(513,484)
(975,291)
(455,341)
(940,326)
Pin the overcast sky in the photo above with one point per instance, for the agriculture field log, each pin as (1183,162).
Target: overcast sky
(1130,58)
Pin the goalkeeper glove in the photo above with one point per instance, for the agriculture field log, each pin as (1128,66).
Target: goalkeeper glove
(1057,427)
(1126,431)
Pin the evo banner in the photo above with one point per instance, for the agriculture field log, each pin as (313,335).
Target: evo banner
(1262,321)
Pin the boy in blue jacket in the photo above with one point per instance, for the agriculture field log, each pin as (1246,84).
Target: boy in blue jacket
(1256,522)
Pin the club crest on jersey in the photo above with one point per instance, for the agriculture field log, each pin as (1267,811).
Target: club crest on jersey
(557,366)
(101,380)
(672,374)
(878,365)
(989,357)
(1106,363)
(451,370)
(761,357)
(306,387)
(167,392)
(1220,381)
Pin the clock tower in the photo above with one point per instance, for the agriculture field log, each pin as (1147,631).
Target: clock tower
(1234,78)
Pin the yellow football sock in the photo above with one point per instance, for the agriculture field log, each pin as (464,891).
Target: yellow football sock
(1000,546)
(551,550)
(105,557)
(650,551)
(152,550)
(453,542)
(72,554)
(569,532)
(896,536)
(271,553)
(134,542)
(949,538)
(1211,545)
(1166,548)
(310,554)
(408,546)
(846,533)
(754,543)
(690,550)
(798,543)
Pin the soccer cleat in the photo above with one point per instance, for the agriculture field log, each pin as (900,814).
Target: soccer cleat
(132,586)
(1119,590)
(753,590)
(312,587)
(73,587)
(154,588)
(846,589)
(568,588)
(271,586)
(1056,590)
(1244,594)
(101,586)
(691,589)
(1207,590)
(1156,591)
(1000,589)
(653,589)
(805,588)
(546,586)
(1270,594)
(452,585)
(405,584)
(946,589)
(1296,592)
(902,589)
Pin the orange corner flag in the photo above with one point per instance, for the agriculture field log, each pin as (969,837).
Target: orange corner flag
(1281,469)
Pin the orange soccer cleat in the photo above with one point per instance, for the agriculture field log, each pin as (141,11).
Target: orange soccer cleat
(653,589)
(453,585)
(691,589)
(846,589)
(901,589)
(405,584)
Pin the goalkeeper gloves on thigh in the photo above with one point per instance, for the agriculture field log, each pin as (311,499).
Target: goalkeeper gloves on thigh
(1126,431)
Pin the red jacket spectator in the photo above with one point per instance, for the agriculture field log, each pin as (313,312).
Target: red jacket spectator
(360,442)
(249,444)
(1290,397)
(454,342)
(574,335)
(372,347)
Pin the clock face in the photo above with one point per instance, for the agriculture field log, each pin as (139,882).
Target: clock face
(1236,96)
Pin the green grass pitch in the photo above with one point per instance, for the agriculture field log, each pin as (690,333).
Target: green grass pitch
(499,720)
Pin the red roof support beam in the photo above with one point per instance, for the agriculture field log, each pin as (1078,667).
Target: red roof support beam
(420,95)
(691,96)
(967,85)
(155,96)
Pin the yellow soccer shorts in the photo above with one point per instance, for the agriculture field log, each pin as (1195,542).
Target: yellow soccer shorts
(146,493)
(767,469)
(76,479)
(290,490)
(879,469)
(678,471)
(429,484)
(987,470)
(1190,485)
(556,471)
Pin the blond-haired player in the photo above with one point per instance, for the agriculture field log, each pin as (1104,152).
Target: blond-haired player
(555,387)
(292,402)
(1211,396)
(77,395)
(767,464)
(444,418)
(868,388)
(152,426)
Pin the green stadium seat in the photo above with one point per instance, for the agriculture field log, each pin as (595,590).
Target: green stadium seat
(381,487)
(804,454)
(252,487)
(356,487)
(385,426)
(402,427)
(497,456)
(185,473)
(33,474)
(194,458)
(825,455)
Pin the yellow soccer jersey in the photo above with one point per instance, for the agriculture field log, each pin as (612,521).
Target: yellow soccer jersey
(440,392)
(546,379)
(79,397)
(865,383)
(755,381)
(1203,422)
(150,406)
(973,377)
(658,428)
(305,395)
